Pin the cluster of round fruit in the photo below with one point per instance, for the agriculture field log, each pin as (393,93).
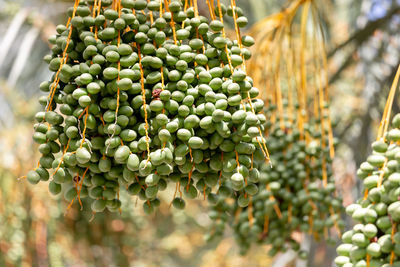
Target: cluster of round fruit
(145,94)
(293,196)
(375,240)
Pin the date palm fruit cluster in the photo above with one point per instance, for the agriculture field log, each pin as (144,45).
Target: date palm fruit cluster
(375,239)
(147,93)
(293,196)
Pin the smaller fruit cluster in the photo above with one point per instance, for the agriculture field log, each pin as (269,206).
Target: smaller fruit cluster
(375,240)
(296,193)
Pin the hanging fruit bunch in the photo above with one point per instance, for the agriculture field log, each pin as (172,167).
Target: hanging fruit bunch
(144,94)
(296,191)
(375,240)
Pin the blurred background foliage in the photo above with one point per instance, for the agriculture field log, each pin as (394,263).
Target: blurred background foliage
(363,44)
